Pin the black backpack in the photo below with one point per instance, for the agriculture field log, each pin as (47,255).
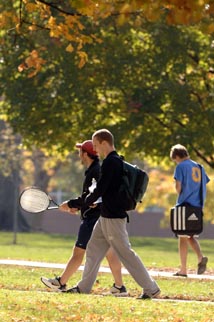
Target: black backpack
(133,186)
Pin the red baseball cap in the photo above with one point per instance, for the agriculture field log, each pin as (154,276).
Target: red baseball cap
(87,146)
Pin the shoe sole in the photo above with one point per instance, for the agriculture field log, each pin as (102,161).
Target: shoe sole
(125,294)
(179,275)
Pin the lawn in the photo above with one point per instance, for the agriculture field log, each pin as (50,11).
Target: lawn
(23,297)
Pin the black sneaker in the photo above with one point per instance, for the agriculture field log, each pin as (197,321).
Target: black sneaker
(118,291)
(54,284)
(73,290)
(145,296)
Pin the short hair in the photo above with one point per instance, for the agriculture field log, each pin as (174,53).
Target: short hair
(178,150)
(104,135)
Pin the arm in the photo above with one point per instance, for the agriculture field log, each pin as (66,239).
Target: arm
(72,205)
(178,186)
(107,173)
(178,176)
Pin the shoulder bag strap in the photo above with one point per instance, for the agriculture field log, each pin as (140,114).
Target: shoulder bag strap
(201,187)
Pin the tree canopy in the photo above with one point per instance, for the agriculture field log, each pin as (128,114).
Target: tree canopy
(66,22)
(147,78)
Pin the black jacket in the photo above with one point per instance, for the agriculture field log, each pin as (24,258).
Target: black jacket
(92,172)
(108,187)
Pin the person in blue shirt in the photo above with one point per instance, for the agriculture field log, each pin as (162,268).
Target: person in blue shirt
(188,177)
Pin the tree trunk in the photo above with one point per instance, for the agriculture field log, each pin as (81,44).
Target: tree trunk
(8,197)
(41,180)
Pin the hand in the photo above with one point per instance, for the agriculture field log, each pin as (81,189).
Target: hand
(94,205)
(73,211)
(64,207)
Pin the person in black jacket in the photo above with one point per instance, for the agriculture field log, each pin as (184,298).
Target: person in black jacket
(110,230)
(89,217)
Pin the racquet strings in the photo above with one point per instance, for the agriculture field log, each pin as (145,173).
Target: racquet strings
(34,200)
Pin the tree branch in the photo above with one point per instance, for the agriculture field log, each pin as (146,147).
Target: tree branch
(75,13)
(198,153)
(34,24)
(52,5)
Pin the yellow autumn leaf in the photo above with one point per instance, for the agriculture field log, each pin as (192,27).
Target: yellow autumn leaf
(79,45)
(69,48)
(51,22)
(126,8)
(32,28)
(98,40)
(83,58)
(32,74)
(31,7)
(55,33)
(34,53)
(82,54)
(21,67)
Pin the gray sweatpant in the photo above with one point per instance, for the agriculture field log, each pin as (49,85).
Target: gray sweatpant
(112,232)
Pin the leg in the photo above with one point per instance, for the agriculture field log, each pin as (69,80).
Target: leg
(183,251)
(95,252)
(202,261)
(116,234)
(196,248)
(115,266)
(76,258)
(73,264)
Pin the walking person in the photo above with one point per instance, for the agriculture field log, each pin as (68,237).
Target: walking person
(89,217)
(188,177)
(110,230)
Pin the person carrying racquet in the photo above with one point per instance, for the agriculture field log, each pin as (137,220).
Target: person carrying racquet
(89,217)
(110,230)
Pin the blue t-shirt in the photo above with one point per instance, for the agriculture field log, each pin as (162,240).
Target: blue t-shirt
(188,173)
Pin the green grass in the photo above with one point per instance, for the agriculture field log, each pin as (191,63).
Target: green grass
(23,297)
(155,252)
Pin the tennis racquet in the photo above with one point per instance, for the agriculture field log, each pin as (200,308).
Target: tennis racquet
(33,199)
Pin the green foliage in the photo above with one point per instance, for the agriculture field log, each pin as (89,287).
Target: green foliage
(69,177)
(151,85)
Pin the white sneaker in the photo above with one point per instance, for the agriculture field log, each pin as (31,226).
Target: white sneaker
(54,283)
(118,291)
